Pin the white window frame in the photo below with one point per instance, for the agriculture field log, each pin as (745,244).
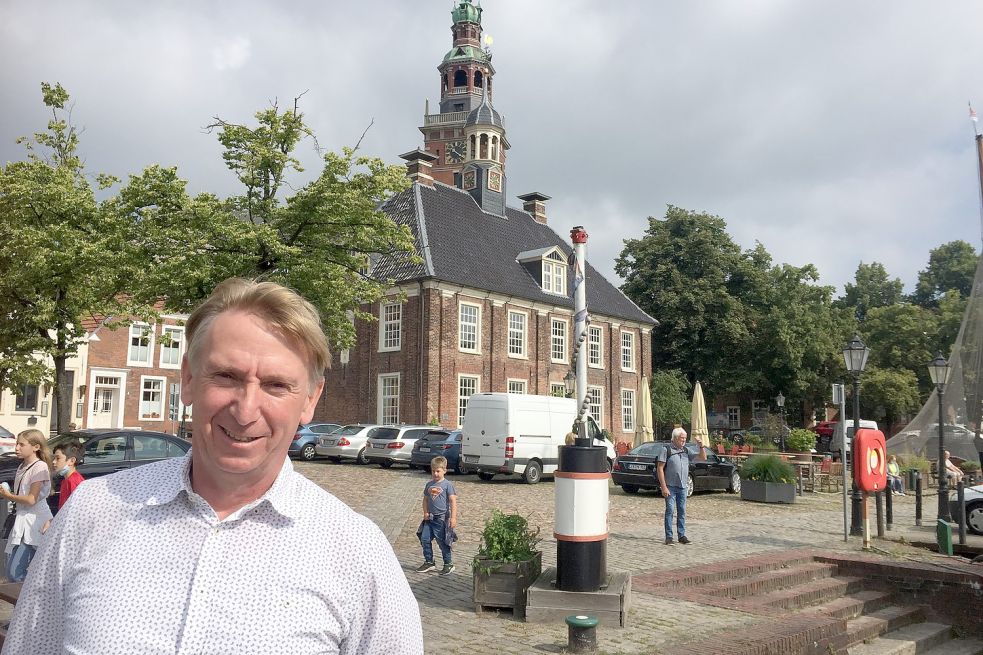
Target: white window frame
(161,400)
(558,386)
(461,324)
(520,351)
(733,417)
(164,348)
(599,406)
(386,399)
(554,276)
(515,385)
(345,356)
(595,347)
(390,327)
(627,350)
(558,341)
(140,330)
(38,398)
(628,410)
(462,400)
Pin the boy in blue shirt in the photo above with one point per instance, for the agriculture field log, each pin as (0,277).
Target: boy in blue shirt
(439,517)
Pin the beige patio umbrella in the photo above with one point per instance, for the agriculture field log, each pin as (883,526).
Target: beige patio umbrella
(698,417)
(643,424)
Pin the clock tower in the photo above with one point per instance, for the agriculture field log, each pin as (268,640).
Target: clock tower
(466,74)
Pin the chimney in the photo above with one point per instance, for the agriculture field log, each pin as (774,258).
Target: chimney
(535,204)
(419,164)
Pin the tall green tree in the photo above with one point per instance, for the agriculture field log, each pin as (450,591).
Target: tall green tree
(902,337)
(950,266)
(670,399)
(64,258)
(683,271)
(872,287)
(889,395)
(316,237)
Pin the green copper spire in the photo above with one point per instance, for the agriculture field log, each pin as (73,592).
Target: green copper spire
(466,12)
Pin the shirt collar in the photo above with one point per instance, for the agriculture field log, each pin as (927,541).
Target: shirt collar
(279,496)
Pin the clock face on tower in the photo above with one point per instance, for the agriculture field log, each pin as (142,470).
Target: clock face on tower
(455,151)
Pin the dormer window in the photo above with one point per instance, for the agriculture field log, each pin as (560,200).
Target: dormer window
(548,266)
(555,274)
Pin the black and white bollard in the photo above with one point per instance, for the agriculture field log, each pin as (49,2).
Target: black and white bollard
(581,634)
(581,518)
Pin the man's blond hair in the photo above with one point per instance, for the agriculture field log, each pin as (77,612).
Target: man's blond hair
(283,310)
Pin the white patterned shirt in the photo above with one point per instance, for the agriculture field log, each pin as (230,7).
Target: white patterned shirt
(138,563)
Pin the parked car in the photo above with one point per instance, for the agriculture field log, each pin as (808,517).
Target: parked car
(394,446)
(107,451)
(7,440)
(439,442)
(973,500)
(348,442)
(636,470)
(304,443)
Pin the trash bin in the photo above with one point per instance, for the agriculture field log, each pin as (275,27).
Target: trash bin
(910,479)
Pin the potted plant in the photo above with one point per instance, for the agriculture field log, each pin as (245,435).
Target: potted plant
(970,468)
(801,441)
(507,564)
(767,479)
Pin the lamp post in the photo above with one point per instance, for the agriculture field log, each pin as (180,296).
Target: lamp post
(855,356)
(939,370)
(780,401)
(570,383)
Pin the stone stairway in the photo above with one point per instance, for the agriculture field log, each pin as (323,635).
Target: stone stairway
(808,606)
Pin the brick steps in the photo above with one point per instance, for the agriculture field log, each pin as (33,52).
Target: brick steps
(855,604)
(909,640)
(768,581)
(868,627)
(813,592)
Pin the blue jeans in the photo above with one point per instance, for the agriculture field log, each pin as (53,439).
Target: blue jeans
(676,504)
(435,528)
(18,561)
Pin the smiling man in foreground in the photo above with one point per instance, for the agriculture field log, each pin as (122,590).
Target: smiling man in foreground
(222,551)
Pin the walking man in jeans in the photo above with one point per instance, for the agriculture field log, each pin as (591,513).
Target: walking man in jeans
(673,470)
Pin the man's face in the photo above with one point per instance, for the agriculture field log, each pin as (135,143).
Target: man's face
(679,440)
(249,389)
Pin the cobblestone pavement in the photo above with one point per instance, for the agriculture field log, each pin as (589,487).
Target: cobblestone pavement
(720,525)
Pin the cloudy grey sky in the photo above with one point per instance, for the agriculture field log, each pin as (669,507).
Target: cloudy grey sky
(832,132)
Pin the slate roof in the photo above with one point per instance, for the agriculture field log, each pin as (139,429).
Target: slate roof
(461,244)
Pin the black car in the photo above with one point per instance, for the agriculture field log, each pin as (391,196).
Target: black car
(107,451)
(636,470)
(439,442)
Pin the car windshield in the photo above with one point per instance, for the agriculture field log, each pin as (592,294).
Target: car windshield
(384,433)
(649,449)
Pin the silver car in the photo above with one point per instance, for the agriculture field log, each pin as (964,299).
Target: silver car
(974,507)
(348,442)
(395,447)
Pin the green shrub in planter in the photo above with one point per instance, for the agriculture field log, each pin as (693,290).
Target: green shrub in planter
(800,440)
(969,466)
(915,463)
(767,468)
(507,538)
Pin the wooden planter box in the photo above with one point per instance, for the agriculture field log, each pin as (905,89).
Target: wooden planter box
(767,492)
(506,584)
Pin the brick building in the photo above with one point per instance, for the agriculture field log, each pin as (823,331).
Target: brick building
(489,305)
(133,376)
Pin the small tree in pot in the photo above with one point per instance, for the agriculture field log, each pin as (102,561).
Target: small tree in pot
(507,564)
(767,479)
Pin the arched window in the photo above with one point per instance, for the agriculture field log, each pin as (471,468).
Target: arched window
(494,148)
(472,147)
(483,152)
(460,79)
(478,79)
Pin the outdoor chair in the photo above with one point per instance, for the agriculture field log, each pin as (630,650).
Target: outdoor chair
(734,450)
(720,449)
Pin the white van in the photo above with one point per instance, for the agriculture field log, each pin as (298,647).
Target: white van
(837,440)
(517,433)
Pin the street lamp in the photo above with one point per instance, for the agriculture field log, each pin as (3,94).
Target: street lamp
(939,371)
(570,383)
(780,401)
(855,356)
